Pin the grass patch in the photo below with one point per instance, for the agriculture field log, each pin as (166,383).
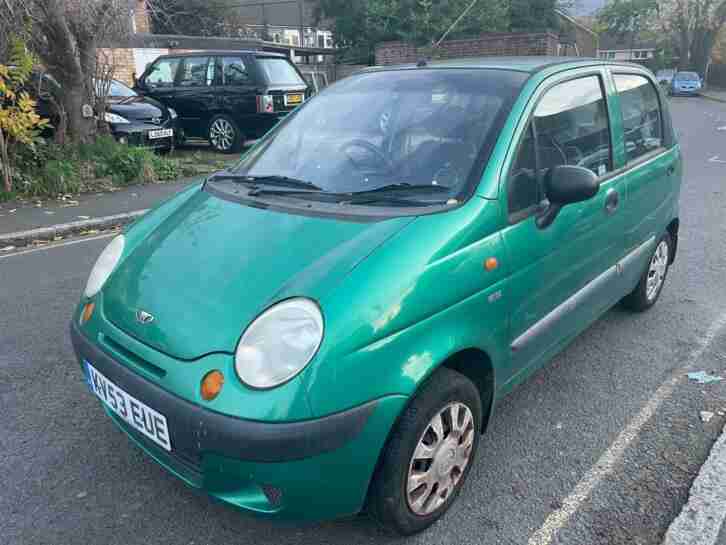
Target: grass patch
(46,170)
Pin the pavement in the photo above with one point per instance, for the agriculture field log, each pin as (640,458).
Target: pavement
(601,447)
(21,222)
(718,95)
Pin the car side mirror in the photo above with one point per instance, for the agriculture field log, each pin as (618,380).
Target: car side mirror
(566,184)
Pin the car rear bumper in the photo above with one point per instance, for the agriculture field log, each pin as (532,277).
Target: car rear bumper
(266,468)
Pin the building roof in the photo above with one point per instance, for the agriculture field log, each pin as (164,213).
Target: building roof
(624,42)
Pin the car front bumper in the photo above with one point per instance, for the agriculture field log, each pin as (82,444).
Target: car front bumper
(136,133)
(685,92)
(315,469)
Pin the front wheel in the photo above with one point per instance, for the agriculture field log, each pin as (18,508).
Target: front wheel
(224,135)
(428,456)
(650,286)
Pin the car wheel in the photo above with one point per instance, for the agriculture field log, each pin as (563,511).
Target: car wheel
(650,286)
(224,135)
(428,456)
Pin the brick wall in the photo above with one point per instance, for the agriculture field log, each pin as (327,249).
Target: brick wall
(141,17)
(122,60)
(501,44)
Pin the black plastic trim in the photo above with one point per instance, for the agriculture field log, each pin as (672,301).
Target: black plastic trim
(195,430)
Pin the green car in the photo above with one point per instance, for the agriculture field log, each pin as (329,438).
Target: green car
(326,327)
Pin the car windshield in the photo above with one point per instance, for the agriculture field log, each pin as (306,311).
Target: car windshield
(408,129)
(115,89)
(280,72)
(687,76)
(664,73)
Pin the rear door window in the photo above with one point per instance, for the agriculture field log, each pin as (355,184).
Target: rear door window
(234,71)
(279,71)
(642,117)
(163,73)
(196,72)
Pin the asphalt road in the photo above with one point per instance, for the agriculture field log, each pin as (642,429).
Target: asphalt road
(564,451)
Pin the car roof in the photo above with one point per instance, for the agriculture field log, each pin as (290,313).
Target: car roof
(530,64)
(204,53)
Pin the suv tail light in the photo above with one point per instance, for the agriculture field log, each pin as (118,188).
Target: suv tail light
(265,104)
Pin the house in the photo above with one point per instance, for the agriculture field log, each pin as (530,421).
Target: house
(577,39)
(626,47)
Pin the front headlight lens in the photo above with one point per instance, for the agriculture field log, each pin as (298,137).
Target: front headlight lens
(279,343)
(105,264)
(115,118)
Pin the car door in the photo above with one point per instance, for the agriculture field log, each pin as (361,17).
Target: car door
(195,94)
(650,160)
(237,95)
(159,79)
(559,274)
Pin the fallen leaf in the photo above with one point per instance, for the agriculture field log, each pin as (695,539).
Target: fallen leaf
(704,378)
(84,217)
(706,416)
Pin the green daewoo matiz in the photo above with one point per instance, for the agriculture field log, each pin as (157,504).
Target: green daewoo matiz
(326,326)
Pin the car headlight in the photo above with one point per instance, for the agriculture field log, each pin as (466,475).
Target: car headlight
(279,343)
(172,113)
(105,264)
(109,117)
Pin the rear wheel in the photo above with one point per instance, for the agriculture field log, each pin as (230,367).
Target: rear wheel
(428,456)
(224,135)
(650,286)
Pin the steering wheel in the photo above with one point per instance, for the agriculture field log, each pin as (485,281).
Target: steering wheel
(375,150)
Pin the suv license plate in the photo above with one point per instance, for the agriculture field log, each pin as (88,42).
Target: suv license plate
(163,133)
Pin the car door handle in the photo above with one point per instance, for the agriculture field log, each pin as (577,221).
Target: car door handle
(671,170)
(612,201)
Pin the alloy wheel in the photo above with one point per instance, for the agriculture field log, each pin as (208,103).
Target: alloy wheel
(222,134)
(440,458)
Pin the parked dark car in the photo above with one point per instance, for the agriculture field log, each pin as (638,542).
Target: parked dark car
(686,83)
(132,119)
(139,120)
(226,97)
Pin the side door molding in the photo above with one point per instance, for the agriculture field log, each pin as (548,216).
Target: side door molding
(627,268)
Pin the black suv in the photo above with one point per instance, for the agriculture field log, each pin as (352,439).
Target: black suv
(225,96)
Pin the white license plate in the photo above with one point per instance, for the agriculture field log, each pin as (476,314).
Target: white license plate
(161,133)
(138,415)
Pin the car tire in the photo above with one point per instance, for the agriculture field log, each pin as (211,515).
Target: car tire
(224,135)
(651,283)
(415,449)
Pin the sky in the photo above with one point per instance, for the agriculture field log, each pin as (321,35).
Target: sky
(587,7)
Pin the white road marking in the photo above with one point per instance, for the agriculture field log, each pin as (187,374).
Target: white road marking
(58,245)
(702,517)
(614,454)
(715,159)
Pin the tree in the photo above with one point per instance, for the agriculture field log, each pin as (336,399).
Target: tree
(362,24)
(534,15)
(19,122)
(65,35)
(197,17)
(693,24)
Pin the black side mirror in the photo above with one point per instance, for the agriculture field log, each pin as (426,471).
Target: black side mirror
(566,184)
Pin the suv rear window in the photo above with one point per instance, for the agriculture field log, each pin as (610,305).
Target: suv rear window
(279,71)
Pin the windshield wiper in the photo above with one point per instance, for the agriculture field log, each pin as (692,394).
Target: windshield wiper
(404,187)
(279,181)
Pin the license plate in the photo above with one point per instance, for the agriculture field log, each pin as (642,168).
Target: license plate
(161,133)
(138,415)
(291,100)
